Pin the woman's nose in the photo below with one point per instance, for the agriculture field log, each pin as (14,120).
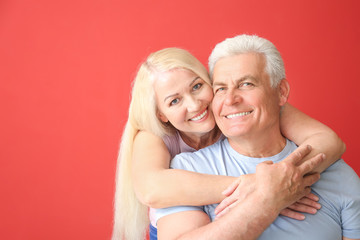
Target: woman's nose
(193,104)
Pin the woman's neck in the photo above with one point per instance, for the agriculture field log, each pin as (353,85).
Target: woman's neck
(201,140)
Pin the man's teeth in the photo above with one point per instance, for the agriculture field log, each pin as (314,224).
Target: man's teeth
(199,117)
(237,114)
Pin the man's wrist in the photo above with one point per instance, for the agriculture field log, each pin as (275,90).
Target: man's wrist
(268,202)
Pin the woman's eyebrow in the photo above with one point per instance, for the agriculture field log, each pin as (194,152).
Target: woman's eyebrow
(196,78)
(170,96)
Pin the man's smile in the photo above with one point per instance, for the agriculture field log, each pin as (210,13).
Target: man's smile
(240,114)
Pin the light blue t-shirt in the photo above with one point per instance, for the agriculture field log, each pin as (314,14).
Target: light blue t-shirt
(338,191)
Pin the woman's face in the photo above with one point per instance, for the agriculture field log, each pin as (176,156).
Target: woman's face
(184,99)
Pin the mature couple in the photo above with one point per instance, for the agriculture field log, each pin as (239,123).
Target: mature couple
(170,113)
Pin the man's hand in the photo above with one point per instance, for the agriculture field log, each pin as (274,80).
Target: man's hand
(283,183)
(245,185)
(288,178)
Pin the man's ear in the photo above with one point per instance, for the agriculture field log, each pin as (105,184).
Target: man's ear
(284,90)
(162,117)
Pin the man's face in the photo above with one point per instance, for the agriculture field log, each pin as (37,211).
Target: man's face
(244,102)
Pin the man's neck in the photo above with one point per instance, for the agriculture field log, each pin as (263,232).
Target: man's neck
(265,145)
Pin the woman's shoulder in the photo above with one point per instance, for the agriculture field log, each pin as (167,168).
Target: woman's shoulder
(145,137)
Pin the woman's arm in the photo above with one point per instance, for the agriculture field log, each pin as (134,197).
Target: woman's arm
(158,186)
(302,129)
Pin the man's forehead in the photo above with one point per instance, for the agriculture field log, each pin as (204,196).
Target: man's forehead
(237,67)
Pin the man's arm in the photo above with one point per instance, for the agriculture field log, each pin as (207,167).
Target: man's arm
(277,186)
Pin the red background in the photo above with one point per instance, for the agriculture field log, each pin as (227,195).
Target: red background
(66,69)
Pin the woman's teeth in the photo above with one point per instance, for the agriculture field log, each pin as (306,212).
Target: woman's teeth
(199,117)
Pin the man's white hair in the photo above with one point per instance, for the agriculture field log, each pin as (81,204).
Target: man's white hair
(250,44)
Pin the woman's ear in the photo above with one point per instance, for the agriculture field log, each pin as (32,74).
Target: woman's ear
(162,117)
(284,90)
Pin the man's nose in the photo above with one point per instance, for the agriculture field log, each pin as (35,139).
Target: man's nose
(232,97)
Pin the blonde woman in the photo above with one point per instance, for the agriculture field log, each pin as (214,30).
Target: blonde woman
(170,112)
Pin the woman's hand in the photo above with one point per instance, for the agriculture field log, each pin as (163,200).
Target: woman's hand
(235,193)
(307,204)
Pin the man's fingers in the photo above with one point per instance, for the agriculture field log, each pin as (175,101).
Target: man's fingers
(307,190)
(296,156)
(310,164)
(311,179)
(264,163)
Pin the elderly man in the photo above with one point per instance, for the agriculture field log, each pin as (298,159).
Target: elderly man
(249,90)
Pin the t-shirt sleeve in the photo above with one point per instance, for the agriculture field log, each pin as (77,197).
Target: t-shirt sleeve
(351,220)
(172,145)
(162,212)
(350,214)
(179,162)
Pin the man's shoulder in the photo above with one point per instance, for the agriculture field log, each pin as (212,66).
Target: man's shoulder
(342,177)
(341,170)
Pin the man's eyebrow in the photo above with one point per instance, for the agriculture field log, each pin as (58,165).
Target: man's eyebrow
(248,76)
(218,84)
(243,78)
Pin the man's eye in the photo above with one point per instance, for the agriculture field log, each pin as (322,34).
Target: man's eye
(175,101)
(246,84)
(219,89)
(197,86)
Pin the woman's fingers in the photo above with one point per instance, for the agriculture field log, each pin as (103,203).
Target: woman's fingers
(226,210)
(287,212)
(231,188)
(305,201)
(224,204)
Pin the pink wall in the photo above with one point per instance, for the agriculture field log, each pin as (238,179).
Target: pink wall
(65,72)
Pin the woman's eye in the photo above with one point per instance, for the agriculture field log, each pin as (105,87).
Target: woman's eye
(197,86)
(175,101)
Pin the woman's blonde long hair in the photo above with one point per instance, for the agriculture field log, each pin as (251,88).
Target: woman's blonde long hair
(130,215)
